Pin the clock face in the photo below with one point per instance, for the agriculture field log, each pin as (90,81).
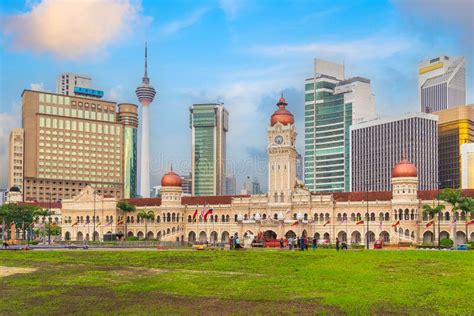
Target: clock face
(279,140)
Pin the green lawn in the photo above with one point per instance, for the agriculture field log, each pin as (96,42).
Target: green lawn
(245,282)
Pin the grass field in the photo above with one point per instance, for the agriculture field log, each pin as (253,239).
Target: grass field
(245,282)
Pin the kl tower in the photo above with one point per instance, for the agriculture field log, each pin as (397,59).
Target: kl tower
(145,94)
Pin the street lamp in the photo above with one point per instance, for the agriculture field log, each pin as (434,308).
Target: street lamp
(367,216)
(49,219)
(93,219)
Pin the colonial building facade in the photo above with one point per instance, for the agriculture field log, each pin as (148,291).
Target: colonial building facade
(288,209)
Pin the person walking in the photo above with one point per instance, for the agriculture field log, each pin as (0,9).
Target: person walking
(290,243)
(337,244)
(282,243)
(231,242)
(302,243)
(315,243)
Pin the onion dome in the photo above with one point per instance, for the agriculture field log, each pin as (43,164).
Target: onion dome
(171,179)
(282,115)
(14,189)
(404,169)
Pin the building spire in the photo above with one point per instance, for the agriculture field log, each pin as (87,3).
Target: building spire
(145,79)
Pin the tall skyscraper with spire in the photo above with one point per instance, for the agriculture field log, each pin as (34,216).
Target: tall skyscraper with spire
(145,94)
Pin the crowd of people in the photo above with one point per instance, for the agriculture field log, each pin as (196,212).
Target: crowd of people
(293,243)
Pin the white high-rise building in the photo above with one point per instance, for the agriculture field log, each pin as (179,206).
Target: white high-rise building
(442,83)
(77,85)
(145,94)
(467,166)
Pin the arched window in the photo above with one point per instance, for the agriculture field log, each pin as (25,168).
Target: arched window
(294,216)
(359,217)
(189,219)
(372,217)
(235,217)
(223,218)
(412,215)
(173,217)
(264,216)
(344,217)
(158,219)
(275,197)
(275,216)
(407,215)
(168,217)
(387,216)
(446,216)
(282,198)
(326,217)
(305,217)
(227,218)
(339,217)
(353,217)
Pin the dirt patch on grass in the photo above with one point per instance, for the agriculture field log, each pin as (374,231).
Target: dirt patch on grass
(96,300)
(6,271)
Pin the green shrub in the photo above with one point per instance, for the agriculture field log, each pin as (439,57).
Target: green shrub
(132,238)
(446,242)
(357,246)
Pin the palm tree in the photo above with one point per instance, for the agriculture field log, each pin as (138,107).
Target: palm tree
(467,206)
(453,197)
(432,212)
(146,216)
(125,207)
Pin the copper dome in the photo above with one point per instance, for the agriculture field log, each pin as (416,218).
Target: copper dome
(282,115)
(171,179)
(404,169)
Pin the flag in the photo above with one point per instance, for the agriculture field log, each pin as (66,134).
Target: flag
(108,223)
(98,224)
(471,222)
(209,212)
(430,223)
(295,223)
(453,222)
(75,224)
(328,222)
(203,211)
(195,214)
(120,222)
(288,212)
(396,224)
(359,222)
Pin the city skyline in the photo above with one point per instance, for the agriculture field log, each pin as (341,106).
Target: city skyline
(248,71)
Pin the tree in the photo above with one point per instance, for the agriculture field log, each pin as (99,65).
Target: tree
(467,206)
(146,216)
(125,207)
(432,212)
(20,215)
(453,197)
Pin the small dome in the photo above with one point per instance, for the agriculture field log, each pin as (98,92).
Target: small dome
(404,169)
(282,115)
(171,179)
(15,189)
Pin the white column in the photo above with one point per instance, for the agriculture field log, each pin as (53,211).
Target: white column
(145,157)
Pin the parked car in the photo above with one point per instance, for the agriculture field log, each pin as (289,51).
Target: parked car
(461,247)
(378,244)
(200,246)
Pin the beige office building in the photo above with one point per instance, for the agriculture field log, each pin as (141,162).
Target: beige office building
(70,142)
(15,159)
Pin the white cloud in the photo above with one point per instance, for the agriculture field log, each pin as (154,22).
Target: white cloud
(178,25)
(230,7)
(72,29)
(435,12)
(364,49)
(7,122)
(115,93)
(37,86)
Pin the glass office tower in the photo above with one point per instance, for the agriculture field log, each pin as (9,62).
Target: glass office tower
(128,116)
(209,124)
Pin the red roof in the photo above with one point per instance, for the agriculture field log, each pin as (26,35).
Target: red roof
(432,194)
(213,200)
(188,200)
(144,201)
(362,196)
(43,204)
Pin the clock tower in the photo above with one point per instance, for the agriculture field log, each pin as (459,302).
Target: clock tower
(282,154)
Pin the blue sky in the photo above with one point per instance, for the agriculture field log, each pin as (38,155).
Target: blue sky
(242,53)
